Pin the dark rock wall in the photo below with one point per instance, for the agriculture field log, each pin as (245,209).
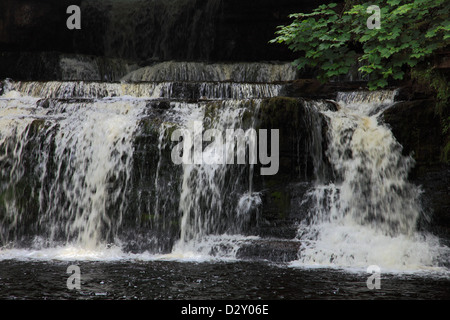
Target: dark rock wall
(31,25)
(144,30)
(418,128)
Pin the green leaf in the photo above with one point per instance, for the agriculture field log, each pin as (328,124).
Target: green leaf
(393,3)
(411,32)
(398,75)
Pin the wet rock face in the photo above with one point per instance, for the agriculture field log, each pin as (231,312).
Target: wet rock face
(35,41)
(145,31)
(245,27)
(30,25)
(418,128)
(192,30)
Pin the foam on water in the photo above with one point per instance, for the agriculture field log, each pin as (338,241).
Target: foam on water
(209,249)
(369,215)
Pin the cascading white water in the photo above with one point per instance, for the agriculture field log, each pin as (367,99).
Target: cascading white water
(369,215)
(16,114)
(90,68)
(206,72)
(146,90)
(216,197)
(93,150)
(83,165)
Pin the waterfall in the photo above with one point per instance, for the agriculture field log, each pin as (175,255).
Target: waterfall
(93,153)
(146,90)
(213,193)
(68,164)
(15,119)
(89,165)
(368,214)
(206,72)
(79,67)
(97,155)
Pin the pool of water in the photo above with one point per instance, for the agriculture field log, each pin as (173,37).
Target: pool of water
(221,280)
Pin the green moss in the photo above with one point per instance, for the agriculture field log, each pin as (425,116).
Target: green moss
(247,118)
(445,156)
(22,197)
(175,223)
(170,128)
(279,112)
(446,153)
(437,83)
(151,128)
(277,195)
(37,125)
(148,217)
(148,126)
(211,110)
(281,202)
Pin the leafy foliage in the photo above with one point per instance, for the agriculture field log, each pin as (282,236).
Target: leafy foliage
(333,38)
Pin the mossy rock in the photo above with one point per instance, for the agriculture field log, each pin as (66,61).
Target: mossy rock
(282,201)
(418,129)
(446,153)
(280,112)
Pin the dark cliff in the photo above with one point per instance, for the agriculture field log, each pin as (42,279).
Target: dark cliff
(144,31)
